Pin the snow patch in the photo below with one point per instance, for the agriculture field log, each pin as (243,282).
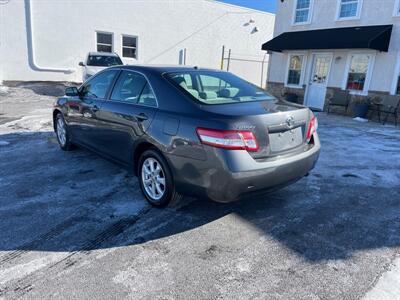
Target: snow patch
(39,120)
(3,90)
(358,119)
(22,270)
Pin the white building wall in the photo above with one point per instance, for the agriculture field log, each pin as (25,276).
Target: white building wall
(373,12)
(64,32)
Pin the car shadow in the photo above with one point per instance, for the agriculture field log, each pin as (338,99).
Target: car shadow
(77,201)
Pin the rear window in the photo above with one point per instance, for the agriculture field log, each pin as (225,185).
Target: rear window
(214,87)
(103,61)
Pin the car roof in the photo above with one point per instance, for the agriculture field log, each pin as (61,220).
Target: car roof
(103,54)
(164,68)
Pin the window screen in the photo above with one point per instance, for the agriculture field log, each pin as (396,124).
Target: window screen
(104,42)
(358,72)
(129,46)
(302,11)
(348,8)
(295,67)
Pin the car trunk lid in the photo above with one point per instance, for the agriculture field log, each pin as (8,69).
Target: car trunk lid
(280,127)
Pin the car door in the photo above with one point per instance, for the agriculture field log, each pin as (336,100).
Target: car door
(127,114)
(83,112)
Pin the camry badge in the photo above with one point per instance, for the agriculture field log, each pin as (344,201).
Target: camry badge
(290,121)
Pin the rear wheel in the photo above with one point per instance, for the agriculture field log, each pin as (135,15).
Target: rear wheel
(156,180)
(62,133)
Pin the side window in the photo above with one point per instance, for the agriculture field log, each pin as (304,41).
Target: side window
(129,87)
(349,9)
(147,97)
(129,46)
(104,42)
(357,73)
(97,86)
(302,12)
(295,69)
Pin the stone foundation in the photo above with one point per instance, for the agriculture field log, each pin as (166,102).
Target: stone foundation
(278,90)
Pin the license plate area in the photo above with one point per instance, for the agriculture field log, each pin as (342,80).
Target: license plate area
(285,140)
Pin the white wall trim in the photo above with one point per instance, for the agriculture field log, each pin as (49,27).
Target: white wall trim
(368,77)
(303,69)
(310,14)
(356,17)
(395,75)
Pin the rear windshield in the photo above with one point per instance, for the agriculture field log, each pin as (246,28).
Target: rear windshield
(103,61)
(214,87)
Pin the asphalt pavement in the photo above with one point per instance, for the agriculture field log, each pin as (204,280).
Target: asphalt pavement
(73,225)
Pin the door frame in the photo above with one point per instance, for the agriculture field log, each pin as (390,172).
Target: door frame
(312,56)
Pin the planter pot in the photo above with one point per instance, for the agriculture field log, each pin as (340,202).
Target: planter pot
(361,110)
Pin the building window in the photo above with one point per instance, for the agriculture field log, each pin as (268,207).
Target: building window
(295,69)
(303,11)
(104,42)
(358,70)
(129,46)
(398,86)
(349,9)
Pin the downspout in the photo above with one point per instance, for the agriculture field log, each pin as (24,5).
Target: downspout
(31,45)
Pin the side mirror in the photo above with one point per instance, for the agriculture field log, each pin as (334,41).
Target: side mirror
(81,64)
(72,91)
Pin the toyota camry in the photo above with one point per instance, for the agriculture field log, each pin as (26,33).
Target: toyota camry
(189,131)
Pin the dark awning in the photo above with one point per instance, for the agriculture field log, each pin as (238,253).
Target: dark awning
(361,37)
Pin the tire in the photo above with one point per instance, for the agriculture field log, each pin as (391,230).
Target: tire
(63,137)
(156,182)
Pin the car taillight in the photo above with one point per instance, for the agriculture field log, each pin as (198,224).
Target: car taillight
(228,139)
(312,128)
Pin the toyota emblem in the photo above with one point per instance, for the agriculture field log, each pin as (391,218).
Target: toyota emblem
(290,121)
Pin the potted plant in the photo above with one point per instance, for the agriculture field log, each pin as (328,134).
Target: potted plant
(361,106)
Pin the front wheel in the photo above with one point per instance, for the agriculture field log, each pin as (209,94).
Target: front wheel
(156,180)
(62,133)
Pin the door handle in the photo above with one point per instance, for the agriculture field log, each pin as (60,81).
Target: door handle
(141,117)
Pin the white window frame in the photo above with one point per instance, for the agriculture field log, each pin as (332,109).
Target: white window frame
(396,10)
(396,75)
(303,70)
(368,76)
(122,46)
(356,17)
(310,14)
(112,40)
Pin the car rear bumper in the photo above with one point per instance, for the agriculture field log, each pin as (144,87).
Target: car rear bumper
(227,175)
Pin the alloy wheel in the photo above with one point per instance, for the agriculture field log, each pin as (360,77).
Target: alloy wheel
(153,178)
(61,131)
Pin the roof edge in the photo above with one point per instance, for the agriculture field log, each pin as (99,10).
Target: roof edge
(241,7)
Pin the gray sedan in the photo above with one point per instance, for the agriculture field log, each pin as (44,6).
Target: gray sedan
(185,130)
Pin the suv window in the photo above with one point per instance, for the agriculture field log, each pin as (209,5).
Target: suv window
(103,61)
(98,85)
(133,88)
